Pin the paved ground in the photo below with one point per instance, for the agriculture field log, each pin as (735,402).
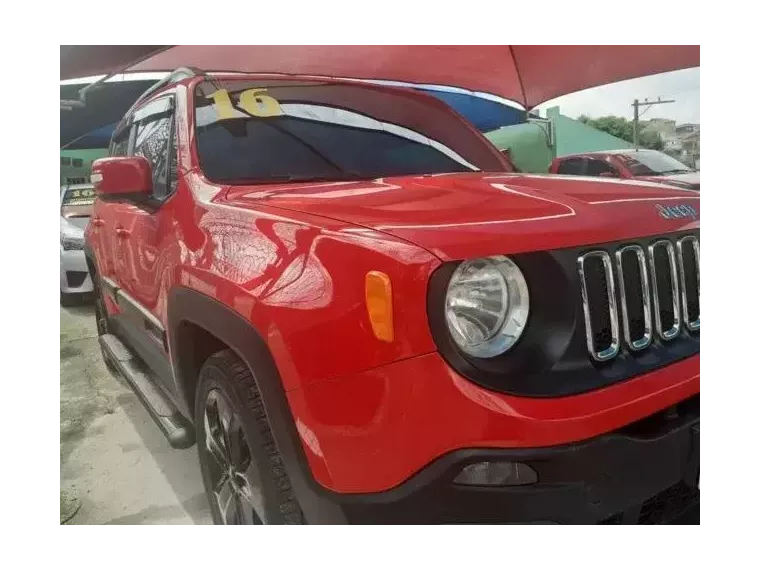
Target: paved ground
(113,458)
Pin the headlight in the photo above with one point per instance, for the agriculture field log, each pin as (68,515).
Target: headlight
(72,237)
(487,306)
(69,243)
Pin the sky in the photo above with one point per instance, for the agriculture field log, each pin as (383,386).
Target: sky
(616,98)
(613,99)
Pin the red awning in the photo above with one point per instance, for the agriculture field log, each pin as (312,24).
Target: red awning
(86,61)
(529,75)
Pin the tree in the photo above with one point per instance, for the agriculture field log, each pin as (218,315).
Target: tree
(622,128)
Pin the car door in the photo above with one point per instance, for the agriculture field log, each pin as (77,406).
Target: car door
(145,232)
(106,216)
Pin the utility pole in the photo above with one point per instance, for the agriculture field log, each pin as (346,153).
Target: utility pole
(646,103)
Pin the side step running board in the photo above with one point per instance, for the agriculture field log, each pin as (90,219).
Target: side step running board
(173,425)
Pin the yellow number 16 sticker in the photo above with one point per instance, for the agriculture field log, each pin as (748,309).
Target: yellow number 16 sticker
(253,101)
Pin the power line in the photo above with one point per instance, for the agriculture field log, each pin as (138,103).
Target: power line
(648,104)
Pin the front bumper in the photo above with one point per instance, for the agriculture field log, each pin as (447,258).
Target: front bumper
(646,473)
(372,432)
(75,276)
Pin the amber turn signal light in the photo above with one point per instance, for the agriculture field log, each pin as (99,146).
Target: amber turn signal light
(377,294)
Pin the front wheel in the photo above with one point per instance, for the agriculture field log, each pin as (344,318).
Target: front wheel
(243,472)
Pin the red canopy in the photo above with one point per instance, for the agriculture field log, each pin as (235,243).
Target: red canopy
(85,61)
(529,75)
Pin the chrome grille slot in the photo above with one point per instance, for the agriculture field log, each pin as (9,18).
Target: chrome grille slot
(599,305)
(665,289)
(658,285)
(634,296)
(688,266)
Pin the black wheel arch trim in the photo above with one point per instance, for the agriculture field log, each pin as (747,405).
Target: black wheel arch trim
(189,306)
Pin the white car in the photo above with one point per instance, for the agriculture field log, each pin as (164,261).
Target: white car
(76,209)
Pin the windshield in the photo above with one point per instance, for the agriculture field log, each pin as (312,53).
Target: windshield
(284,130)
(652,163)
(77,201)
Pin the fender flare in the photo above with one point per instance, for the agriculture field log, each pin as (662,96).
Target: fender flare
(189,306)
(89,256)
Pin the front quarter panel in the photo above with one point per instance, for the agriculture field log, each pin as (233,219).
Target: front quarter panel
(300,281)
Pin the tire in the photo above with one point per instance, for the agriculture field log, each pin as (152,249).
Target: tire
(232,427)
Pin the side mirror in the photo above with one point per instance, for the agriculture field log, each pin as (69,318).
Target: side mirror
(127,176)
(608,175)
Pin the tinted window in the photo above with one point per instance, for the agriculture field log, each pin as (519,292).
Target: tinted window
(152,142)
(120,145)
(76,162)
(172,184)
(652,162)
(65,161)
(596,167)
(571,166)
(330,131)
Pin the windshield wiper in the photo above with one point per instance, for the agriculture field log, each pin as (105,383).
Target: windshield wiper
(676,171)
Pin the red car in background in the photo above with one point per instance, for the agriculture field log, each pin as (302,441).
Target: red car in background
(642,164)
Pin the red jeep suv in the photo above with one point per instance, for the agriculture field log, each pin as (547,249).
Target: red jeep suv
(342,293)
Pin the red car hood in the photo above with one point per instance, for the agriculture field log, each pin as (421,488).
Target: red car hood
(457,216)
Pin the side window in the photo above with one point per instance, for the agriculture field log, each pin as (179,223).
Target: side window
(571,166)
(154,141)
(173,163)
(120,145)
(597,167)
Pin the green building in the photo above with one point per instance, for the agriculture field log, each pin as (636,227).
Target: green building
(77,164)
(527,144)
(533,145)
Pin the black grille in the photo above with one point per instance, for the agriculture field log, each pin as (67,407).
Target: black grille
(654,289)
(75,278)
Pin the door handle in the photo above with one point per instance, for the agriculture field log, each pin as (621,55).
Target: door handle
(98,222)
(122,233)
